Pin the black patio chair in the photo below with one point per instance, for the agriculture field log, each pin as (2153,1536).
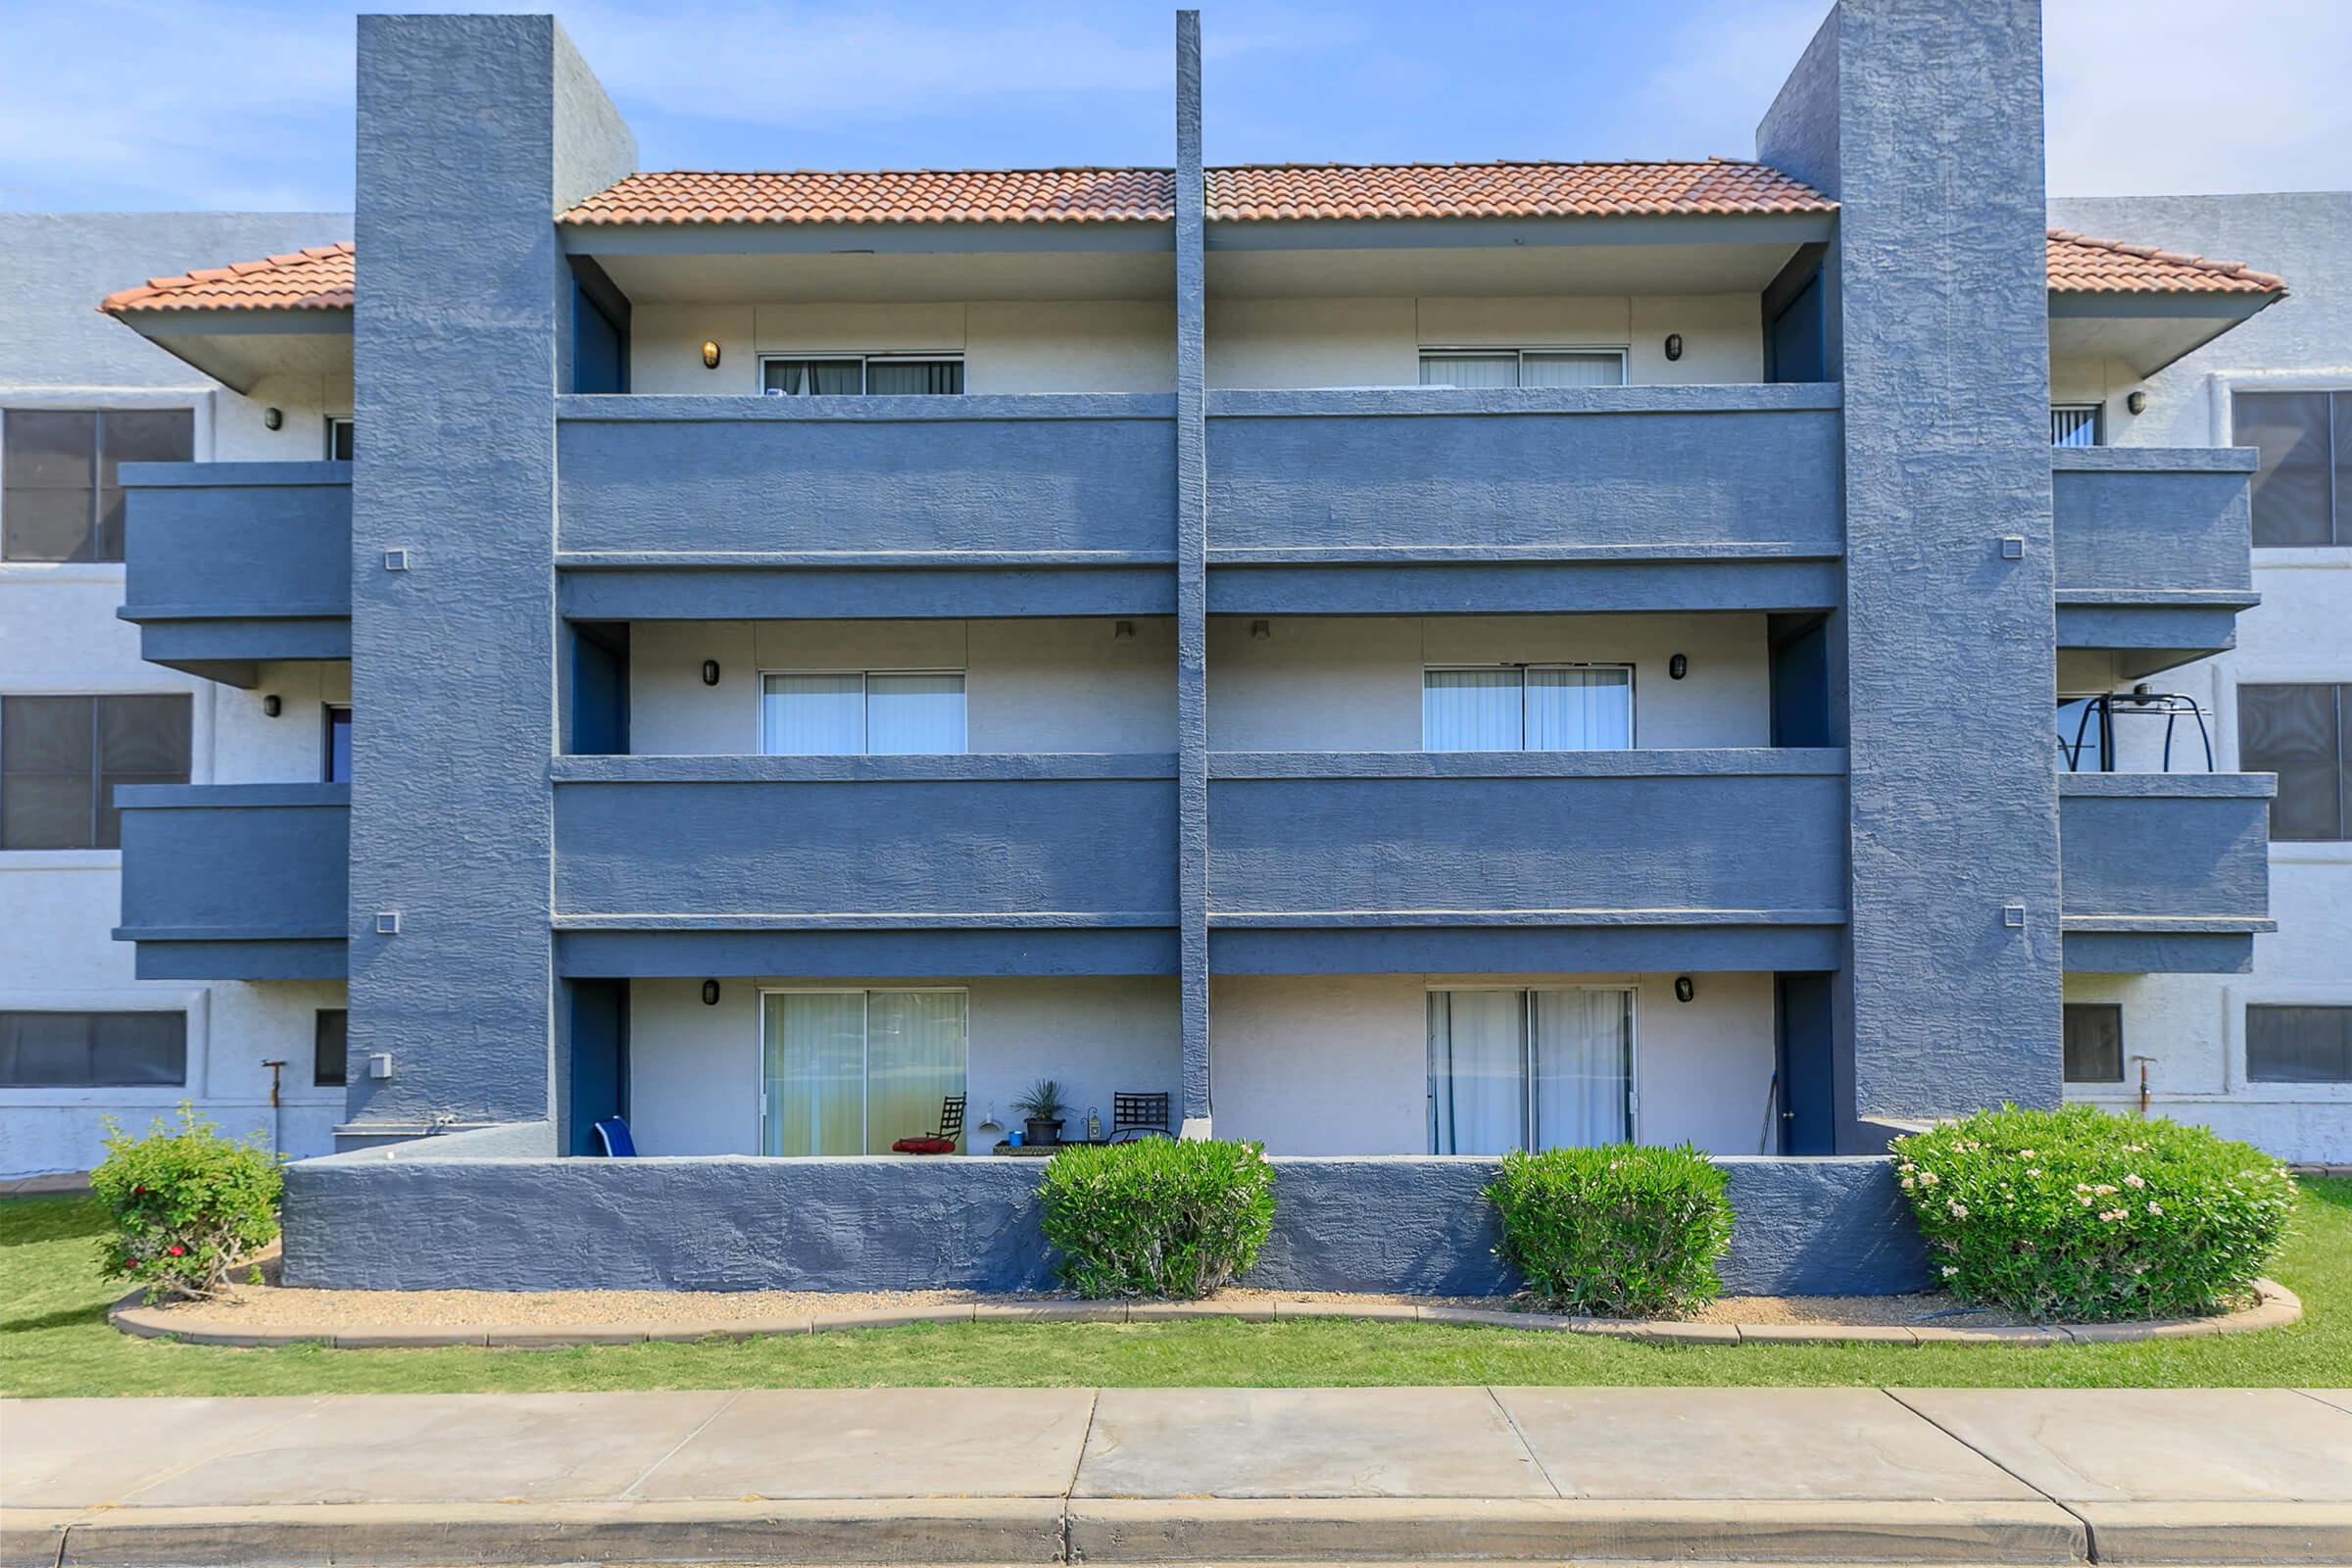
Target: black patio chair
(942,1142)
(1134,1116)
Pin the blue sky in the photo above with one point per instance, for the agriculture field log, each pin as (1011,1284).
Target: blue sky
(132,104)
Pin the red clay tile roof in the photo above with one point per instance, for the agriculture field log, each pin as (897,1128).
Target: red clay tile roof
(1255,191)
(2081,265)
(886,196)
(316,278)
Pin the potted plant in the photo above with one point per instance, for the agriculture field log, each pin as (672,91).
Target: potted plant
(1042,1106)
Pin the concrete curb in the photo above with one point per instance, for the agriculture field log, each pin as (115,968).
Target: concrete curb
(2274,1308)
(2206,1533)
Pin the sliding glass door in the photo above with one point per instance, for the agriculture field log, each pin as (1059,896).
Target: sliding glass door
(1535,1068)
(851,1072)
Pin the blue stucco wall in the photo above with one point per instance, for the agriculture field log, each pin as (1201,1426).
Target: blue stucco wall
(2170,846)
(449,1213)
(1924,120)
(2161,517)
(473,132)
(235,881)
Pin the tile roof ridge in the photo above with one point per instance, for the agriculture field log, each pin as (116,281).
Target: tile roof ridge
(2154,253)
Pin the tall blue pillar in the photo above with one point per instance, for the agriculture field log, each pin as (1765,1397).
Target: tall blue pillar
(1924,119)
(473,131)
(1192,580)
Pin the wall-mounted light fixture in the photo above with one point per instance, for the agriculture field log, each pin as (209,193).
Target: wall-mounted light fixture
(273,418)
(710,671)
(1122,630)
(272,706)
(1674,345)
(710,993)
(1683,990)
(1678,666)
(1262,630)
(2137,402)
(710,355)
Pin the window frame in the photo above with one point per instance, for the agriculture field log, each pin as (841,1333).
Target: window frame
(866,709)
(1632,992)
(2343,689)
(2098,425)
(1633,710)
(865,1031)
(100,793)
(177,1085)
(336,424)
(866,362)
(329,712)
(319,1018)
(2339,507)
(99,412)
(1519,352)
(2123,1050)
(2278,1004)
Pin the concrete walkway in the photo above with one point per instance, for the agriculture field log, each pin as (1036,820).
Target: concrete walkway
(1143,1475)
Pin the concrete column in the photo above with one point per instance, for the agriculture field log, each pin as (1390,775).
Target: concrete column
(1191,582)
(473,132)
(1924,119)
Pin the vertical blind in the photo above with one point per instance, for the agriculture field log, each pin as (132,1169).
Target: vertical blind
(852,712)
(2075,424)
(1483,369)
(1529,1069)
(847,1072)
(1542,708)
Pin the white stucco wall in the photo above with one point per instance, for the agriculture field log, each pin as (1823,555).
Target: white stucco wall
(1338,1064)
(59,636)
(694,1071)
(1343,683)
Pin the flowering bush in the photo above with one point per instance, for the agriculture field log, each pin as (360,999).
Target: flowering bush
(1157,1217)
(2081,1215)
(1617,1229)
(186,1202)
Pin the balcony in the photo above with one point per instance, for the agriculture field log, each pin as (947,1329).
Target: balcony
(231,564)
(236,881)
(1471,862)
(865,865)
(747,508)
(2164,872)
(2153,551)
(1412,501)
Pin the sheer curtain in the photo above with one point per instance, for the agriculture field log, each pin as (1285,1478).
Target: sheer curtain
(1549,368)
(913,377)
(1584,1059)
(813,1073)
(815,377)
(915,1057)
(1580,709)
(914,712)
(1477,372)
(1477,1071)
(813,716)
(1470,710)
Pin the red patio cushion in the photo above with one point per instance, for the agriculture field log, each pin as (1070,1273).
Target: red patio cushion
(923,1146)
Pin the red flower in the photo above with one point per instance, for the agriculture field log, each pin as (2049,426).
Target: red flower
(176,1251)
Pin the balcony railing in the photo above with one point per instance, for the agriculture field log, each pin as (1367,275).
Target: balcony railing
(231,563)
(236,881)
(2153,551)
(2164,872)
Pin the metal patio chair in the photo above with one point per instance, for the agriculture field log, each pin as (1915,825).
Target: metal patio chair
(942,1142)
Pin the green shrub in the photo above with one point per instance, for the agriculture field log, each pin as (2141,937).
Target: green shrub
(1617,1231)
(1157,1217)
(2081,1215)
(186,1203)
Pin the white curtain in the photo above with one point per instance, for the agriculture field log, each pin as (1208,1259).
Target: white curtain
(1580,709)
(914,713)
(1571,369)
(914,1057)
(814,715)
(1470,710)
(813,1073)
(1583,1051)
(1473,370)
(1477,1071)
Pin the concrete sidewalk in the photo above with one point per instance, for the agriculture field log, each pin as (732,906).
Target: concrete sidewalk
(1143,1475)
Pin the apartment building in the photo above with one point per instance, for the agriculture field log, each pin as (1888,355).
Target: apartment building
(85,1032)
(1397,663)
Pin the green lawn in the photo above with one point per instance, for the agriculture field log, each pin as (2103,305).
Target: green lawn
(54,1339)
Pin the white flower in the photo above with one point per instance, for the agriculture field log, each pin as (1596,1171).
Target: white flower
(2155,1207)
(2133,1181)
(1927,1176)
(2102,1189)
(1959,1208)
(2085,1199)
(1907,1184)
(2026,1153)
(1949,1271)
(2034,1170)
(2111,1215)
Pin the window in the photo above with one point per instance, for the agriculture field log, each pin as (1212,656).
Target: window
(2094,1043)
(2304,735)
(335,760)
(2075,424)
(339,434)
(1530,1069)
(61,758)
(59,495)
(852,1072)
(1479,370)
(2303,486)
(843,713)
(93,1049)
(1527,707)
(2299,1044)
(330,1038)
(880,376)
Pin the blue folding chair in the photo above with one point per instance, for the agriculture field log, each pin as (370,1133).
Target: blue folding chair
(614,1140)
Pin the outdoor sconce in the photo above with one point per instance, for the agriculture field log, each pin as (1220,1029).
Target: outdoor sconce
(273,418)
(1122,630)
(710,355)
(1678,666)
(272,706)
(710,993)
(2137,402)
(710,671)
(1683,990)
(1674,345)
(1261,630)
